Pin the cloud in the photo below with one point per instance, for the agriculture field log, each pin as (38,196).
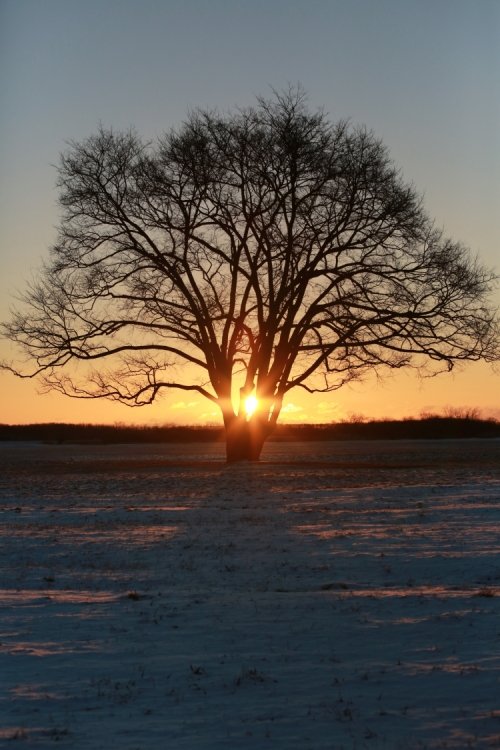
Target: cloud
(329,411)
(291,409)
(184,404)
(209,418)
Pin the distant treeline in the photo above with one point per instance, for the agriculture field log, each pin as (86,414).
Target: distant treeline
(426,428)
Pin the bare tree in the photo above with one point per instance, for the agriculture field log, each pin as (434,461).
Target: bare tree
(248,253)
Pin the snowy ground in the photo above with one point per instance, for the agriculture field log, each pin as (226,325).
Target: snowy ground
(342,595)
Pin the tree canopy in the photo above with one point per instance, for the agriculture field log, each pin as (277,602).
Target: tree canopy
(246,253)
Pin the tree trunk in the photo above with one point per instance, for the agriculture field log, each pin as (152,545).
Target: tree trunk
(244,440)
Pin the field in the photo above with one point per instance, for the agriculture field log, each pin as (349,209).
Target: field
(336,595)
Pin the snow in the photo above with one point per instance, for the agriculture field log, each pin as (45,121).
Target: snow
(337,595)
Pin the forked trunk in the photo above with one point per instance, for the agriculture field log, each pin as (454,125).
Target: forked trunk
(244,440)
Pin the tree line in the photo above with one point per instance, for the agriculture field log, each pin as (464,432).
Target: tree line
(432,427)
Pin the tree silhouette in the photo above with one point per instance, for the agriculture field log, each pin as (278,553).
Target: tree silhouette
(248,253)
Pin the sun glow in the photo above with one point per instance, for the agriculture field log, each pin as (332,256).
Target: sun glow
(251,404)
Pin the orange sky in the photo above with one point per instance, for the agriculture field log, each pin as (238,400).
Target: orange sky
(400,396)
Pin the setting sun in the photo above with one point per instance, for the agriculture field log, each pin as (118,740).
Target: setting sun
(251,404)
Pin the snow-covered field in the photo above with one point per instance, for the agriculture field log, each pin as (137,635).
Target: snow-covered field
(340,595)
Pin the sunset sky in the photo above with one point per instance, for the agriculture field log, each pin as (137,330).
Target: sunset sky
(424,75)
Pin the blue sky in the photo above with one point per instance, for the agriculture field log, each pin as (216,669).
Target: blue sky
(424,75)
